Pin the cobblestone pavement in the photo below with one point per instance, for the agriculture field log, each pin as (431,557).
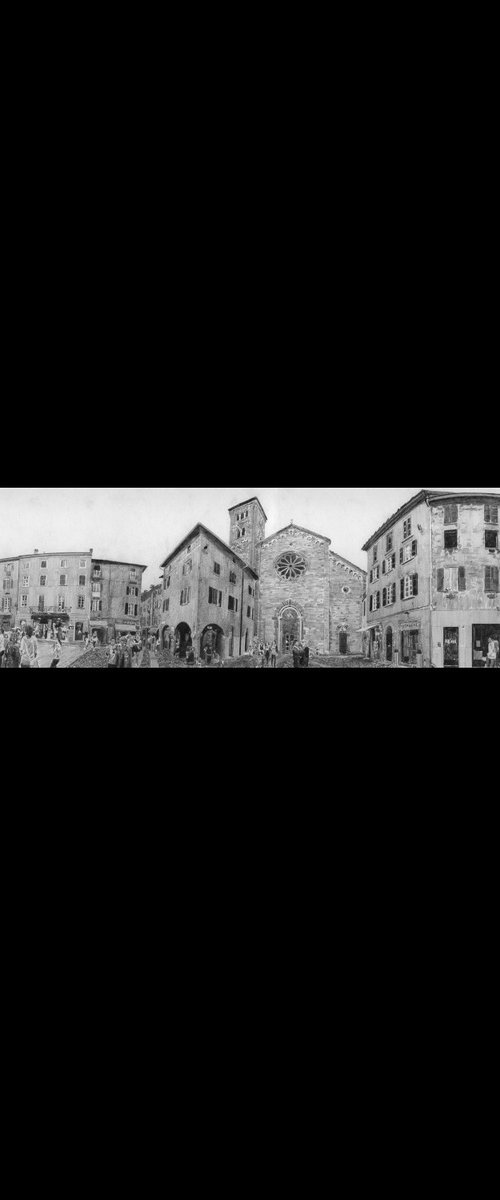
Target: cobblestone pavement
(285,662)
(70,653)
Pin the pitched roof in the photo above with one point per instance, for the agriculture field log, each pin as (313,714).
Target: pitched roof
(250,501)
(227,549)
(301,529)
(428,496)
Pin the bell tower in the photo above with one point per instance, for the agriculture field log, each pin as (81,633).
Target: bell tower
(248,530)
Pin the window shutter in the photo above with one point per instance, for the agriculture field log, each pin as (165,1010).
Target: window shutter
(401,556)
(384,567)
(371,603)
(402,589)
(414,548)
(494,577)
(440,579)
(487,579)
(494,515)
(415,585)
(461,579)
(371,577)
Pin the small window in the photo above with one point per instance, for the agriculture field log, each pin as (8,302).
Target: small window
(491,539)
(64,563)
(61,603)
(231,604)
(249,612)
(44,564)
(450,539)
(491,514)
(188,567)
(407,529)
(216,568)
(82,581)
(81,602)
(24,601)
(232,576)
(83,562)
(375,553)
(389,542)
(43,581)
(451,514)
(26,581)
(63,581)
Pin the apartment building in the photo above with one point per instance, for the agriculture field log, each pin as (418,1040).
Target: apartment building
(433,594)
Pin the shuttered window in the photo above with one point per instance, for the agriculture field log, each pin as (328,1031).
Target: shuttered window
(451,514)
(491,579)
(491,514)
(450,539)
(440,579)
(462,579)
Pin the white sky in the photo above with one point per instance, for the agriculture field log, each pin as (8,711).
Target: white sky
(144,524)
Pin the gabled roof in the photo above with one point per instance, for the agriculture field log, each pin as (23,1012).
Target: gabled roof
(428,496)
(223,545)
(301,529)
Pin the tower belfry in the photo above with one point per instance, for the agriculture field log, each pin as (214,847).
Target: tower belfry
(248,530)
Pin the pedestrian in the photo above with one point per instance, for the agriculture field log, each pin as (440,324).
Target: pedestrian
(306,655)
(496,644)
(274,654)
(112,655)
(95,640)
(12,654)
(56,655)
(28,649)
(268,653)
(296,654)
(46,632)
(492,653)
(2,648)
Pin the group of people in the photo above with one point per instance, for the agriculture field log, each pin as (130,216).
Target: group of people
(124,654)
(19,648)
(267,654)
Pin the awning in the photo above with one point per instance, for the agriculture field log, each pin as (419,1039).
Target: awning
(126,628)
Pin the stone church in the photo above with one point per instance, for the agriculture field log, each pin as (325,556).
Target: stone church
(305,591)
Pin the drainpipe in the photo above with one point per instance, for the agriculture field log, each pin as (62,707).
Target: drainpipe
(241,616)
(431,631)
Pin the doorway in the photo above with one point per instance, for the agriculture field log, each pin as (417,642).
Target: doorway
(79,631)
(451,647)
(410,646)
(183,639)
(343,643)
(212,642)
(290,629)
(388,645)
(481,635)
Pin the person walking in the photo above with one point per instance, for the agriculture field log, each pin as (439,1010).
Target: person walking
(12,654)
(95,640)
(274,654)
(56,655)
(112,655)
(306,655)
(268,653)
(29,650)
(492,653)
(496,644)
(296,655)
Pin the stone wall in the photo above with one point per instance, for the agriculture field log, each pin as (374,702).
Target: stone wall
(309,594)
(347,586)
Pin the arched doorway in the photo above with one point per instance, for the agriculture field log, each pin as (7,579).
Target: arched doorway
(388,645)
(183,639)
(212,642)
(290,628)
(343,642)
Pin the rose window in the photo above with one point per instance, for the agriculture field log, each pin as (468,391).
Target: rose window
(291,566)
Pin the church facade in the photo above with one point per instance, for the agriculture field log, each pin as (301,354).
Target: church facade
(305,591)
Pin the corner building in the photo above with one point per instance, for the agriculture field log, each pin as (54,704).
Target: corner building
(433,581)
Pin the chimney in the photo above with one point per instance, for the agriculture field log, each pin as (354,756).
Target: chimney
(35,552)
(91,551)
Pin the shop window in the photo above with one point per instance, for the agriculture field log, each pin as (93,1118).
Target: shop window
(491,539)
(450,539)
